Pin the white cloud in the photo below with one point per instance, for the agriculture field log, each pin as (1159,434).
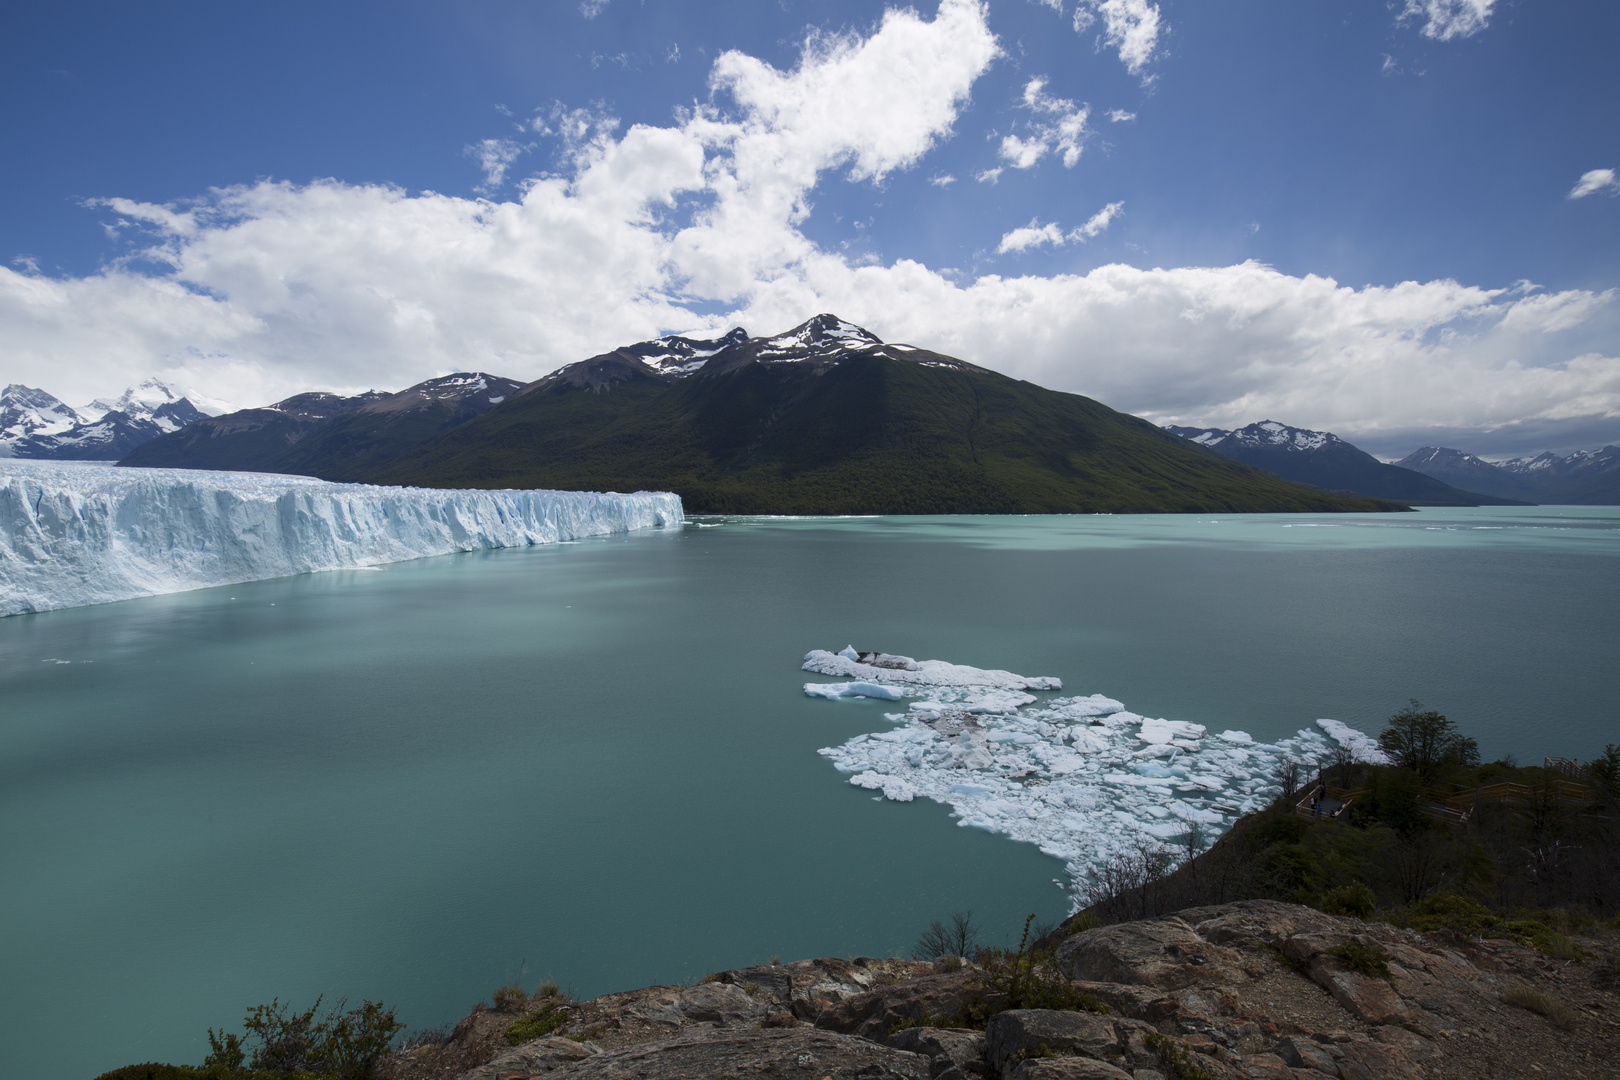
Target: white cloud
(1035,234)
(495,156)
(1120,116)
(267,289)
(942,180)
(1595,181)
(1447,19)
(1098,221)
(1060,126)
(989,176)
(1131,27)
(1031,235)
(592,8)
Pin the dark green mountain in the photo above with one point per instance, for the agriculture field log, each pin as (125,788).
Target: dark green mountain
(827,419)
(1322,459)
(324,435)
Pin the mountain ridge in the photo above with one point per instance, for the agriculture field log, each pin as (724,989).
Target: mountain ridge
(1322,459)
(826,418)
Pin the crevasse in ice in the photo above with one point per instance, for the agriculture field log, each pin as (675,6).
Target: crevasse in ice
(1081,777)
(73,534)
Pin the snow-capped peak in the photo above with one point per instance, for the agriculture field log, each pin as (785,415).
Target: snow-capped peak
(822,334)
(26,411)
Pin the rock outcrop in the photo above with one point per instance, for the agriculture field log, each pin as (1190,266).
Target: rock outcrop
(1256,990)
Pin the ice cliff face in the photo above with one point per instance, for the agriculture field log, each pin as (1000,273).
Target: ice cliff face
(74,534)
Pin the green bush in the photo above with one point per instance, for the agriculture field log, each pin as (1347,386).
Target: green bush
(1025,979)
(155,1071)
(553,1015)
(1367,959)
(342,1044)
(1355,900)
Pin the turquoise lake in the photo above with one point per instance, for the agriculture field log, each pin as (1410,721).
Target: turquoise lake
(594,761)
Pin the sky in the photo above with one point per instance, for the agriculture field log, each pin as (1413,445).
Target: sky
(1395,220)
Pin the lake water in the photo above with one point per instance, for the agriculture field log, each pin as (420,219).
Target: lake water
(594,762)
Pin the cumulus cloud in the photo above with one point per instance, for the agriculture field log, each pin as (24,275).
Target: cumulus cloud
(1031,235)
(1120,116)
(1131,27)
(258,291)
(1593,182)
(1447,19)
(1059,125)
(1035,234)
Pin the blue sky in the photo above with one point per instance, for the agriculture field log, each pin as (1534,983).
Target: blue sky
(1347,215)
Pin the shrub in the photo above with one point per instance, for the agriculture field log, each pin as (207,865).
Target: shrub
(1025,979)
(547,989)
(1355,900)
(343,1044)
(1367,959)
(510,999)
(552,1015)
(1542,1004)
(958,937)
(1178,1063)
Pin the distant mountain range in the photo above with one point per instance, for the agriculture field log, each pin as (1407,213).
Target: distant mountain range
(1587,477)
(34,424)
(824,419)
(335,438)
(1322,459)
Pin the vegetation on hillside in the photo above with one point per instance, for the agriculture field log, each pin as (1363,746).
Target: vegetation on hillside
(1534,857)
(869,435)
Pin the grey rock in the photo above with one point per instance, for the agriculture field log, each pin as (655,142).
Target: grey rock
(1164,953)
(1147,1074)
(1304,1054)
(875,1013)
(801,1051)
(1019,1034)
(531,1058)
(1067,1069)
(719,1003)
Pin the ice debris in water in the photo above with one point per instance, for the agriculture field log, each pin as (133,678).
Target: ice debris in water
(890,668)
(72,533)
(1081,777)
(853,689)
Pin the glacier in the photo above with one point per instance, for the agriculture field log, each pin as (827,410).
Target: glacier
(74,534)
(1081,777)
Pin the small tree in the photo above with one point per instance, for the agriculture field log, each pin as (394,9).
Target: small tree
(1425,741)
(1605,769)
(1286,773)
(958,937)
(346,1044)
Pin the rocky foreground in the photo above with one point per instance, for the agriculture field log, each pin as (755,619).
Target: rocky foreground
(1256,990)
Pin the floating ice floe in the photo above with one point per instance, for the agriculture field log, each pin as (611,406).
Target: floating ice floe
(1081,777)
(74,534)
(891,668)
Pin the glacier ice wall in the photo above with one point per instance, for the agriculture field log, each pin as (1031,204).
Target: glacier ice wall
(73,534)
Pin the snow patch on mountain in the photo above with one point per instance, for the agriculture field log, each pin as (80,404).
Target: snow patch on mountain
(1080,777)
(74,534)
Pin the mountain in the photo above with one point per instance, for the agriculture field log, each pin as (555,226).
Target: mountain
(829,419)
(1467,471)
(1323,460)
(34,424)
(335,438)
(1586,477)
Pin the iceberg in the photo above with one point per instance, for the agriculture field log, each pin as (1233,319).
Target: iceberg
(935,673)
(1080,777)
(74,534)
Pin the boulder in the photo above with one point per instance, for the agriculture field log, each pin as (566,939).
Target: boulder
(800,1051)
(945,1047)
(1026,1034)
(1367,998)
(875,1013)
(534,1058)
(1067,1069)
(1163,953)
